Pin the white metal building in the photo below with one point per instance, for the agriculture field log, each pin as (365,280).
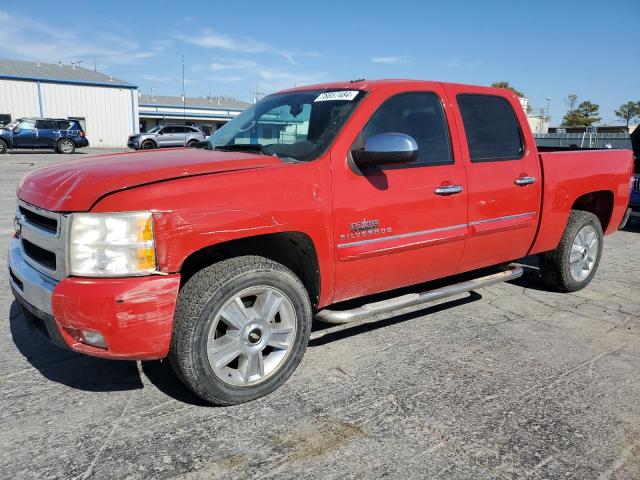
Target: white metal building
(106,107)
(208,114)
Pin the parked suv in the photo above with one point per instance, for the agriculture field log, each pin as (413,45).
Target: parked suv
(166,136)
(59,134)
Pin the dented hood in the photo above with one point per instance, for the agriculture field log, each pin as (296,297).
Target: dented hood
(78,184)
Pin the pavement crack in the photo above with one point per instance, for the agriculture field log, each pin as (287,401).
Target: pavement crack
(90,469)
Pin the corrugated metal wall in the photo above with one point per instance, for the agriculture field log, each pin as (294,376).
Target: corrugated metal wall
(111,114)
(19,99)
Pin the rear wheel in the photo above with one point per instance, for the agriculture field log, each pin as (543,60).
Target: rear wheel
(192,143)
(66,146)
(147,145)
(3,147)
(241,329)
(573,264)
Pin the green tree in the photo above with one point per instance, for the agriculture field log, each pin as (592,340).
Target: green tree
(628,112)
(584,115)
(508,86)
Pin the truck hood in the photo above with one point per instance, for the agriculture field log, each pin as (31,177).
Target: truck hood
(77,185)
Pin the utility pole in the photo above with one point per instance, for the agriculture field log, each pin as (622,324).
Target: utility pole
(258,93)
(184,104)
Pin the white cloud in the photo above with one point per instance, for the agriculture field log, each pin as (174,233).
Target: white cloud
(208,38)
(390,60)
(26,38)
(232,64)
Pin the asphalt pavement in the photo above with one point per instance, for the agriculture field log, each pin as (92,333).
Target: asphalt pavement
(511,381)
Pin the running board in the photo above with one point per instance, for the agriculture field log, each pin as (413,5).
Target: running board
(338,317)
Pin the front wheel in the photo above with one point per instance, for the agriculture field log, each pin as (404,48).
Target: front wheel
(3,147)
(241,329)
(572,265)
(66,146)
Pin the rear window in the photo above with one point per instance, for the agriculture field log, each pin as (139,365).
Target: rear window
(67,125)
(46,124)
(492,129)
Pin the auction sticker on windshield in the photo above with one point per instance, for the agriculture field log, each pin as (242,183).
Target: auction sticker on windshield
(341,95)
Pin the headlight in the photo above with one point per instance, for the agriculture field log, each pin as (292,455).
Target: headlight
(111,244)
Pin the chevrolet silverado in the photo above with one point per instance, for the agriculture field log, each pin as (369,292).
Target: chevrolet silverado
(220,257)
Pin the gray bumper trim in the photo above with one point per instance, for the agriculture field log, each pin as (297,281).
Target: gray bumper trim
(34,288)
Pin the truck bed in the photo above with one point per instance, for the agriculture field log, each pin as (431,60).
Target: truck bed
(569,176)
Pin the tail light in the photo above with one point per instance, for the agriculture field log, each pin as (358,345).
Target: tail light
(81,133)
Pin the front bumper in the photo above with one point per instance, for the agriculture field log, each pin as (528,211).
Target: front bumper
(134,315)
(133,144)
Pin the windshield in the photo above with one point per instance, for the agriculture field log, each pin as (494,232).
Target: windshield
(299,125)
(155,129)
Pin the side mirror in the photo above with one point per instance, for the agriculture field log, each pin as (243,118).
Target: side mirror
(386,149)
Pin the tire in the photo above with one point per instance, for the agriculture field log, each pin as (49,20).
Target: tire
(206,313)
(191,143)
(147,145)
(3,147)
(66,146)
(580,247)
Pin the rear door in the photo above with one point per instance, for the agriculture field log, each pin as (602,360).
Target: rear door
(396,226)
(503,175)
(47,133)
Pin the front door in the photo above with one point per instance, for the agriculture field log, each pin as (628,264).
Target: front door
(504,178)
(24,135)
(404,224)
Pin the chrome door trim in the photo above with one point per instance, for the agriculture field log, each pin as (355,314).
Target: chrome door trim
(506,217)
(402,235)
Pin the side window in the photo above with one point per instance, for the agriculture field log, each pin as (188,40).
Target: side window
(45,124)
(27,125)
(419,115)
(65,125)
(492,129)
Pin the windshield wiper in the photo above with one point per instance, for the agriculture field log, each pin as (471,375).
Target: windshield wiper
(256,148)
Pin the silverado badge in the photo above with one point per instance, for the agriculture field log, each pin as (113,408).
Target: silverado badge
(364,228)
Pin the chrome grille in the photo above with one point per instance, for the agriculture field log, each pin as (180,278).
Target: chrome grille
(636,184)
(43,237)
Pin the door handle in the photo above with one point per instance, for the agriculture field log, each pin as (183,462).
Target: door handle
(522,181)
(448,190)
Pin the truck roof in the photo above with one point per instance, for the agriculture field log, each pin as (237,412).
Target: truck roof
(371,85)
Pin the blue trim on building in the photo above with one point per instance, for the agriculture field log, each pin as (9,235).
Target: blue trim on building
(40,99)
(68,82)
(219,109)
(181,115)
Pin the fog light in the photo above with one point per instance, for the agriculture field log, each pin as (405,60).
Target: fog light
(93,338)
(88,337)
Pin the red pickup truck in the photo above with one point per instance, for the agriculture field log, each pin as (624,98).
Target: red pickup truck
(220,257)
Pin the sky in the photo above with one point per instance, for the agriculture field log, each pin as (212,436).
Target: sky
(544,48)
